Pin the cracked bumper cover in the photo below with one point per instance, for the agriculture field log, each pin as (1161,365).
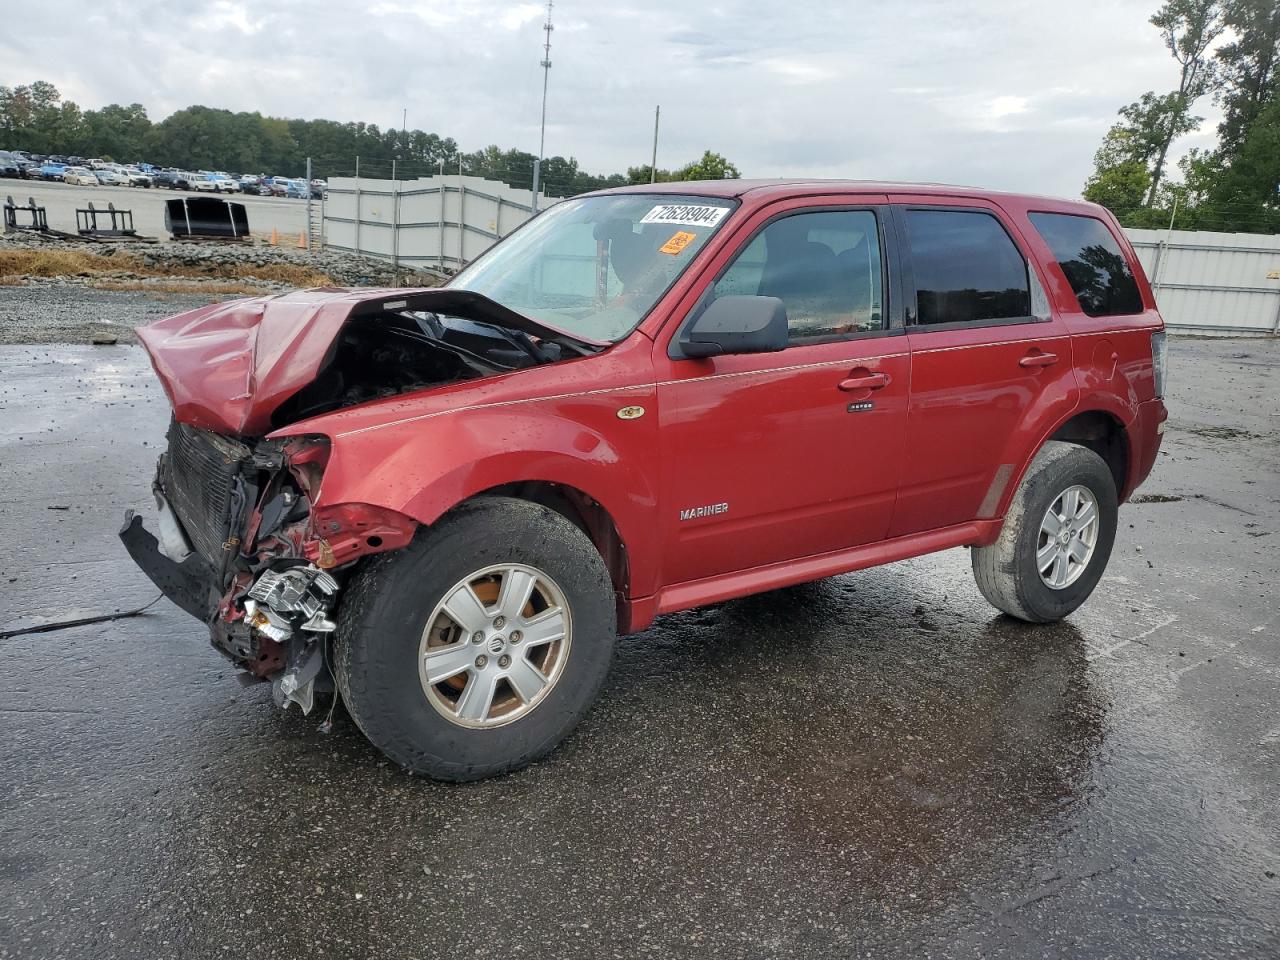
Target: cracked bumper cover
(189,584)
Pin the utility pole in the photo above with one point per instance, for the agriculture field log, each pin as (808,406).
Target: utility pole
(309,250)
(546,75)
(653,167)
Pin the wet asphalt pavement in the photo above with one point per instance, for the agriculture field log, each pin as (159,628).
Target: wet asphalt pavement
(872,765)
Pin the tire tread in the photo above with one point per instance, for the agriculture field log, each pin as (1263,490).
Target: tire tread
(358,659)
(999,569)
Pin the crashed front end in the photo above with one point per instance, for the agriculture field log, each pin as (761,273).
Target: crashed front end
(244,540)
(241,545)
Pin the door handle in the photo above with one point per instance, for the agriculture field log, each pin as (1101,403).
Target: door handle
(864,380)
(1038,358)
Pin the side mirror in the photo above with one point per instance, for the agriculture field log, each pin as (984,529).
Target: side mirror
(737,325)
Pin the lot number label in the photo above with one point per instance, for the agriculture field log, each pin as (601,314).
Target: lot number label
(685,215)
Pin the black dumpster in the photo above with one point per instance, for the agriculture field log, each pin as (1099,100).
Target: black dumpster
(206,218)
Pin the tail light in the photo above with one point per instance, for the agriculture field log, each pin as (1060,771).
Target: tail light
(1159,360)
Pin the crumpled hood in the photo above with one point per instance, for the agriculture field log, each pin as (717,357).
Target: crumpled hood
(227,367)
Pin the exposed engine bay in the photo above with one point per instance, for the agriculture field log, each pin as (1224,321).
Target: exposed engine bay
(389,353)
(240,542)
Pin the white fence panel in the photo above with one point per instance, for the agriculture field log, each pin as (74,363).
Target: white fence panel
(1208,282)
(440,221)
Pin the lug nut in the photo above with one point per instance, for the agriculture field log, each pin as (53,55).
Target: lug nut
(504,661)
(499,622)
(516,636)
(477,637)
(481,662)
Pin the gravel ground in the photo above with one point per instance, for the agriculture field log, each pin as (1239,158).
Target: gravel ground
(71,309)
(78,314)
(346,269)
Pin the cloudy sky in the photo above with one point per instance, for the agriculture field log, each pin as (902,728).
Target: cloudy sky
(1012,95)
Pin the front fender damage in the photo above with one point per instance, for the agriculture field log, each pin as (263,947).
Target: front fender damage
(268,585)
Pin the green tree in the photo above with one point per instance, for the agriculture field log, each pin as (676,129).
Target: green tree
(641,175)
(1189,28)
(1148,127)
(712,166)
(1244,192)
(35,118)
(1120,187)
(1235,186)
(1248,66)
(115,131)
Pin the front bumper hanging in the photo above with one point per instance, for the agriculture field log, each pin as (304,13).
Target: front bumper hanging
(189,584)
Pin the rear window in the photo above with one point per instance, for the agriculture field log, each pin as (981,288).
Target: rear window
(967,269)
(1093,262)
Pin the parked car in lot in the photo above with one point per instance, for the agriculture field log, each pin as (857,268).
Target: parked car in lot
(204,183)
(110,178)
(645,400)
(224,182)
(80,176)
(274,187)
(137,177)
(9,166)
(52,171)
(296,189)
(250,184)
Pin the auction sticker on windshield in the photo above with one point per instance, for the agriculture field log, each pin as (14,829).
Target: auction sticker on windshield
(679,240)
(685,215)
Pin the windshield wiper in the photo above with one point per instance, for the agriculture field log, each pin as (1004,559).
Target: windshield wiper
(518,339)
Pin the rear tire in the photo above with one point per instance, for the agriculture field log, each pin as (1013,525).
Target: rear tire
(394,611)
(1027,573)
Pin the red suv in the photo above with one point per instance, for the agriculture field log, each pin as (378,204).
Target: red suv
(450,501)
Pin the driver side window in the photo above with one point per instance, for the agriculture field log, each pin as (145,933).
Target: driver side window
(826,268)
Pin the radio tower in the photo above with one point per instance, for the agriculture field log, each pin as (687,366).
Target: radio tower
(546,76)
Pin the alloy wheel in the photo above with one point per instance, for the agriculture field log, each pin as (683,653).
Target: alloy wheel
(495,646)
(1067,538)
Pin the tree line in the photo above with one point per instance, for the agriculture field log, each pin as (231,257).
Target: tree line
(35,118)
(1228,50)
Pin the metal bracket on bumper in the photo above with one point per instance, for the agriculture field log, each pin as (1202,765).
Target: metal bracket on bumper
(188,584)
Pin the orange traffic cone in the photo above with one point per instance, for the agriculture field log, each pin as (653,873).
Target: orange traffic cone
(302,241)
(275,237)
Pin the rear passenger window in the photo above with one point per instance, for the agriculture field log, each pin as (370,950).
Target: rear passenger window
(825,267)
(966,268)
(1093,262)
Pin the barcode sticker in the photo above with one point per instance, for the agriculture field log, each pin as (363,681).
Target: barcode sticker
(685,215)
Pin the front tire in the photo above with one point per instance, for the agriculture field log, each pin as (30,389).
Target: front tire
(476,649)
(1056,539)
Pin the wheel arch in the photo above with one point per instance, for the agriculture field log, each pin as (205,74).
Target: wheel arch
(1097,428)
(1104,434)
(586,513)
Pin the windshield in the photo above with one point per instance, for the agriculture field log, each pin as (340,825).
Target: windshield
(594,267)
